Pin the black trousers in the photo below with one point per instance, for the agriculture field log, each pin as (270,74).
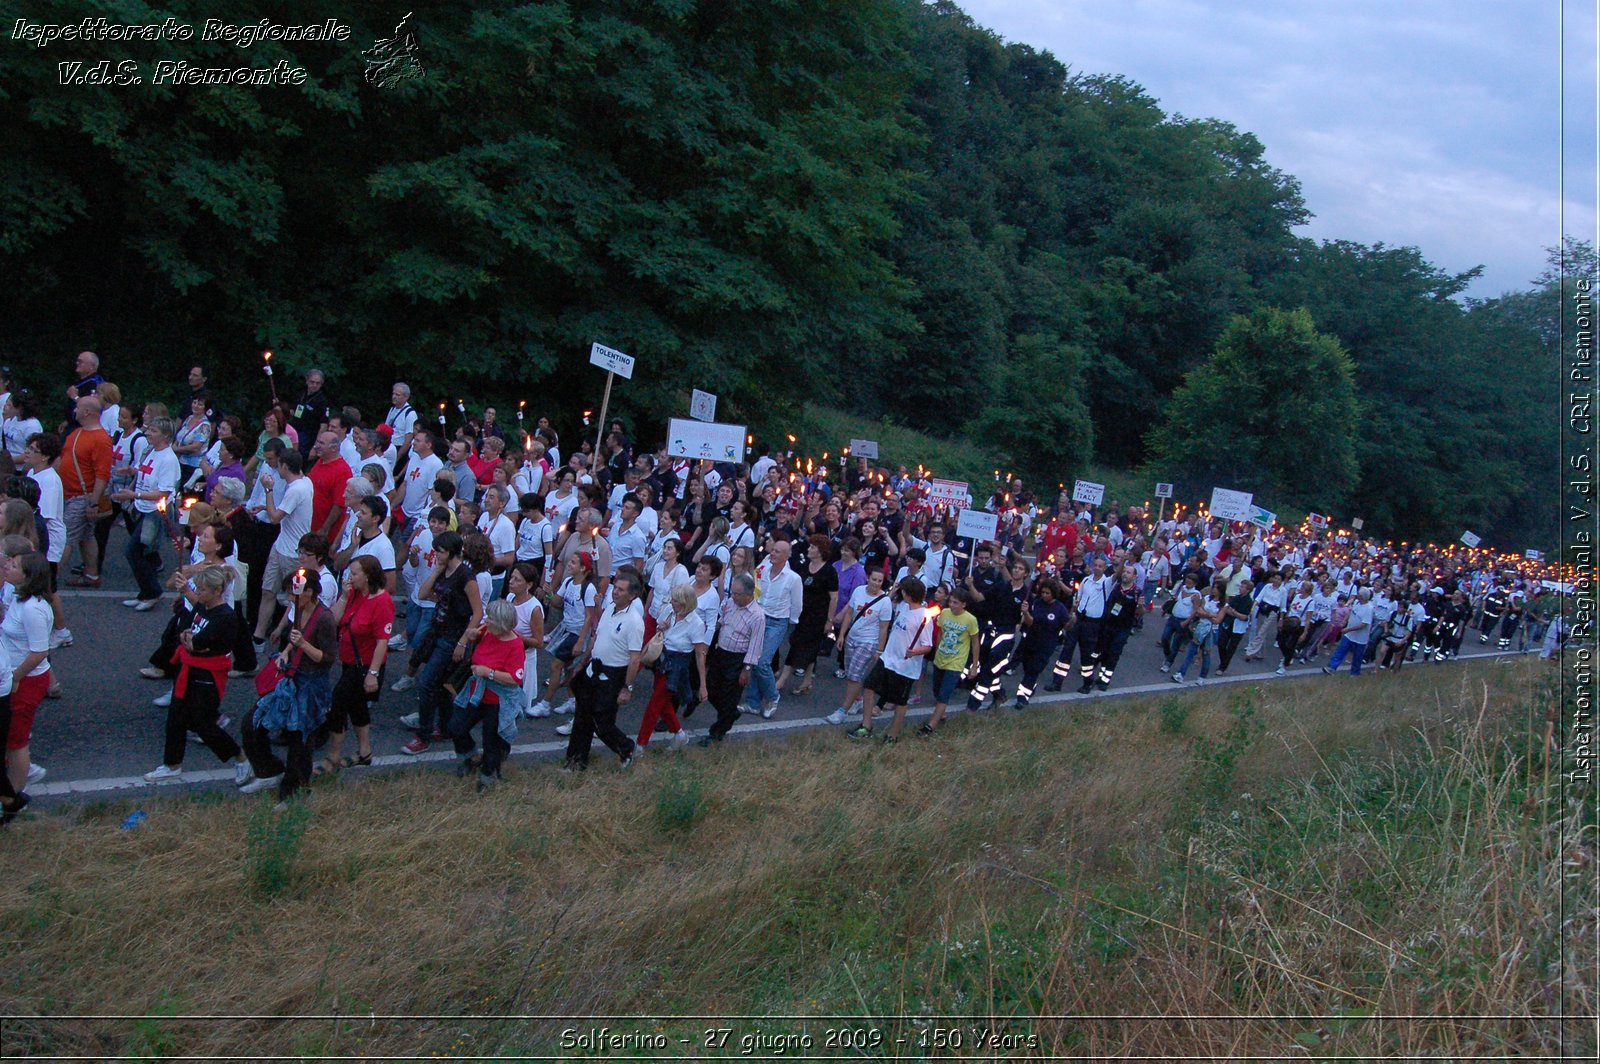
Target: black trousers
(1227,644)
(996,649)
(722,684)
(196,712)
(1112,642)
(295,765)
(495,749)
(596,689)
(1088,647)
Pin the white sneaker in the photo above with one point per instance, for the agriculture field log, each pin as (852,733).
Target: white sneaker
(680,738)
(146,605)
(565,708)
(61,637)
(777,696)
(564,729)
(836,717)
(163,701)
(1177,677)
(162,772)
(539,709)
(411,720)
(261,784)
(1279,671)
(404,683)
(130,602)
(766,714)
(242,773)
(838,674)
(36,773)
(1165,667)
(398,643)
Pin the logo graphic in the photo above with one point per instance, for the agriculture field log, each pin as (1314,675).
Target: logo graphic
(392,60)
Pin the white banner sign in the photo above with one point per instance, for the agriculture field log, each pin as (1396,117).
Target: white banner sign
(1262,518)
(1470,539)
(697,439)
(1163,491)
(948,493)
(978,525)
(1231,505)
(1533,555)
(1317,520)
(703,406)
(1357,523)
(864,448)
(609,358)
(1088,491)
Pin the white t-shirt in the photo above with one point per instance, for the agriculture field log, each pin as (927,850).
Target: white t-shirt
(1360,613)
(380,548)
(296,510)
(628,545)
(402,419)
(26,630)
(661,585)
(558,509)
(159,471)
(52,507)
(378,460)
(419,482)
(526,611)
(708,605)
(576,598)
(502,533)
(865,627)
(534,539)
(16,432)
(618,635)
(529,478)
(912,628)
(417,575)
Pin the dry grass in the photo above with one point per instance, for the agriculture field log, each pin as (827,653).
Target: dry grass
(1398,855)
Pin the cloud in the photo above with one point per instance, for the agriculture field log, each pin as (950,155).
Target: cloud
(1436,125)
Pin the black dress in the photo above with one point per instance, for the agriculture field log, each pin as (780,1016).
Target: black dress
(806,641)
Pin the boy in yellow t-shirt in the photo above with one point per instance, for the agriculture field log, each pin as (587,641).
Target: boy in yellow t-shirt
(958,634)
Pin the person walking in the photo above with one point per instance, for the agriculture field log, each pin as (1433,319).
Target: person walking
(603,678)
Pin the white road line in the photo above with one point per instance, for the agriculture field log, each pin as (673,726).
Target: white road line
(765,727)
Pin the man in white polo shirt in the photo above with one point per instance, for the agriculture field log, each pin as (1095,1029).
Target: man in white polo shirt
(293,519)
(782,591)
(603,678)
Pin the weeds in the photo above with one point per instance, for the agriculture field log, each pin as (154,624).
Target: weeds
(272,842)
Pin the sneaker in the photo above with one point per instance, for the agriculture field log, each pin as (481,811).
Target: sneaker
(1177,677)
(859,732)
(539,709)
(1197,681)
(838,674)
(162,700)
(1164,668)
(924,731)
(146,605)
(415,747)
(261,784)
(1327,671)
(243,773)
(281,807)
(36,773)
(766,714)
(399,643)
(854,709)
(836,717)
(258,642)
(162,772)
(130,602)
(404,683)
(572,764)
(777,696)
(633,755)
(1280,671)
(411,720)
(564,729)
(61,637)
(485,784)
(680,739)
(915,700)
(150,672)
(566,708)
(438,734)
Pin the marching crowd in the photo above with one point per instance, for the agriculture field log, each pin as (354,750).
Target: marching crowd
(323,555)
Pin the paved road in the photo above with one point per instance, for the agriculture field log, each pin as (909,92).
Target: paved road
(106,733)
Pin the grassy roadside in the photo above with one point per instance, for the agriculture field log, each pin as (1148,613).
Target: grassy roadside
(1343,850)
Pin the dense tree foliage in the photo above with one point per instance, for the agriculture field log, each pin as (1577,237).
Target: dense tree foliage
(873,204)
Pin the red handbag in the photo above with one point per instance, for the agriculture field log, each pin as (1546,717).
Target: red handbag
(268,675)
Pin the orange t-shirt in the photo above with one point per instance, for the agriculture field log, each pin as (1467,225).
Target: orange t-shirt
(85,460)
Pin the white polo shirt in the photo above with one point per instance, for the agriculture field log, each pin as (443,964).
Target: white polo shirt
(619,635)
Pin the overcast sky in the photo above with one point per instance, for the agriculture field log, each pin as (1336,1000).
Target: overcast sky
(1418,122)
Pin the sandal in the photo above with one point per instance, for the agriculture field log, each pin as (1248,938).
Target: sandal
(326,767)
(356,760)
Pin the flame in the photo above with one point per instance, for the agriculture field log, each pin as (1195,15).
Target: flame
(266,356)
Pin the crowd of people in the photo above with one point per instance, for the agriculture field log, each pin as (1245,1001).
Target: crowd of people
(324,555)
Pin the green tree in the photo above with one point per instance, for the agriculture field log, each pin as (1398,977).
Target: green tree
(1273,411)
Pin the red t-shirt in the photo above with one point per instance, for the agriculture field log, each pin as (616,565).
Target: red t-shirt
(501,655)
(482,469)
(327,492)
(367,619)
(1060,532)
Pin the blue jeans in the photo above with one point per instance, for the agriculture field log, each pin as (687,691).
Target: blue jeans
(144,553)
(433,702)
(763,685)
(418,620)
(1203,646)
(1357,651)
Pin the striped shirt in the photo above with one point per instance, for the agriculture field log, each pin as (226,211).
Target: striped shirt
(742,630)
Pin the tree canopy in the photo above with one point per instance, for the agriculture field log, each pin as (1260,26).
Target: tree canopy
(876,205)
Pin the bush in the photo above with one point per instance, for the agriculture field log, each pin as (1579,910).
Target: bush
(272,841)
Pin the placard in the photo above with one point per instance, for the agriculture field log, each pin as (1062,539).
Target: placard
(1317,520)
(703,405)
(1357,523)
(1230,505)
(978,525)
(710,441)
(1533,555)
(1262,518)
(1163,491)
(864,448)
(609,358)
(948,493)
(1471,539)
(1088,491)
